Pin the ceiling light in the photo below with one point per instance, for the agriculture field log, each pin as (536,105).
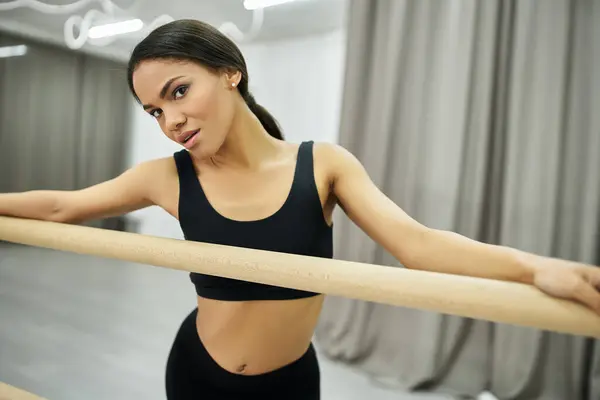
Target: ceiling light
(255,4)
(13,51)
(116,28)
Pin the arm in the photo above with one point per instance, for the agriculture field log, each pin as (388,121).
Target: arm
(125,193)
(419,247)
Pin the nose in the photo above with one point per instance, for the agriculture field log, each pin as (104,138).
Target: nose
(175,121)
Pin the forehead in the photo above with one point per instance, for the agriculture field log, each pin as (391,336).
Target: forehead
(150,76)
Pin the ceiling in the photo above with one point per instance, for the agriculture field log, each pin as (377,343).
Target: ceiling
(295,19)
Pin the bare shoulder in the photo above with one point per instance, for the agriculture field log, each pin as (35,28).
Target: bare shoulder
(334,160)
(160,179)
(150,168)
(333,153)
(140,175)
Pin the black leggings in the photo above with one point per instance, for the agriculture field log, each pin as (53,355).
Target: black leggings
(193,374)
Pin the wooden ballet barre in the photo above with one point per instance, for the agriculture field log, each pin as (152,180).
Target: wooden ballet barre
(484,299)
(8,392)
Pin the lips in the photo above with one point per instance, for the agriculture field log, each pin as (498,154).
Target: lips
(188,139)
(186,136)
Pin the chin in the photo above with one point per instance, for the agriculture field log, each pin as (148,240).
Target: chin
(203,151)
(199,152)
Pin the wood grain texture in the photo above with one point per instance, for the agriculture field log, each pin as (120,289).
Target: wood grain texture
(483,299)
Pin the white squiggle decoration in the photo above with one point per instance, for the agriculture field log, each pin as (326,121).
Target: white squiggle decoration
(109,9)
(230,29)
(107,5)
(82,24)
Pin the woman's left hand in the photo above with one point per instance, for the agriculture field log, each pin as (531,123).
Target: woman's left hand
(569,280)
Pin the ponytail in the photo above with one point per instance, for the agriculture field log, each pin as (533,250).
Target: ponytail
(266,119)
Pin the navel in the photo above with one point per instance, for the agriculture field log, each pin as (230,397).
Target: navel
(241,369)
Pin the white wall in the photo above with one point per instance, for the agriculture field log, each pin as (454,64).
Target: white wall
(299,81)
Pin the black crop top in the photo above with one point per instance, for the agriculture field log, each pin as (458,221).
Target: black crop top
(298,227)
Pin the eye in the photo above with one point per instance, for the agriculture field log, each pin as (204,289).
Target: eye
(156,113)
(180,92)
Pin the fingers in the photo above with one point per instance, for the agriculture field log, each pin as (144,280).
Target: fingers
(588,295)
(594,277)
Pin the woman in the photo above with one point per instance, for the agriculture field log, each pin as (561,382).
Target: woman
(237,182)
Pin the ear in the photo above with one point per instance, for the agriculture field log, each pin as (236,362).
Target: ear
(232,78)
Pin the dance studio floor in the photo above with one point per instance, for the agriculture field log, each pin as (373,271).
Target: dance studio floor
(75,327)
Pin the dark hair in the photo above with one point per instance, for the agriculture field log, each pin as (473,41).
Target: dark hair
(200,42)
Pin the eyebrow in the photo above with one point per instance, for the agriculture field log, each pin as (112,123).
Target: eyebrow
(164,89)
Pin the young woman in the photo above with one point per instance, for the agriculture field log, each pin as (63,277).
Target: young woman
(237,182)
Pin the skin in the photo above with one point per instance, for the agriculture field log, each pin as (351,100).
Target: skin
(246,175)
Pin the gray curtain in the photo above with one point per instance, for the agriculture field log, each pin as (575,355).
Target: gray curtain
(63,120)
(478,117)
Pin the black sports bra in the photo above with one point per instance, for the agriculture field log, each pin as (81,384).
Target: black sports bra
(298,227)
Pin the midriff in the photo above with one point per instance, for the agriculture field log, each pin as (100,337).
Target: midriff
(256,337)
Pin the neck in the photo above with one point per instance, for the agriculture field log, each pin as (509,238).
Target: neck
(247,143)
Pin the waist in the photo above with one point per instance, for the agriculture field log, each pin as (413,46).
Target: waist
(256,337)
